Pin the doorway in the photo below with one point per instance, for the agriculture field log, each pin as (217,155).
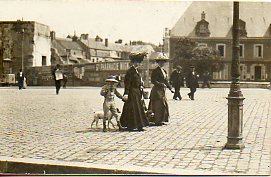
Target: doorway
(258,72)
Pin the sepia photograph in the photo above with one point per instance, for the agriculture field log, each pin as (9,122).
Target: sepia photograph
(135,87)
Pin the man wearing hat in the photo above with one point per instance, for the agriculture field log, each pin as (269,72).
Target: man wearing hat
(58,77)
(192,82)
(177,81)
(109,91)
(158,102)
(133,113)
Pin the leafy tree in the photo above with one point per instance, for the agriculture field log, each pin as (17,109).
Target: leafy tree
(187,53)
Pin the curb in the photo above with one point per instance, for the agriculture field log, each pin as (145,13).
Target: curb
(37,166)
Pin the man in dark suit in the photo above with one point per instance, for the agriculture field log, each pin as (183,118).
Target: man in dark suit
(177,81)
(20,78)
(192,82)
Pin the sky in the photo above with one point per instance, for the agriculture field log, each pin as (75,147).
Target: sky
(112,19)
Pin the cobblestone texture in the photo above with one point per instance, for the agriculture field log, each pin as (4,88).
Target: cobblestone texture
(36,123)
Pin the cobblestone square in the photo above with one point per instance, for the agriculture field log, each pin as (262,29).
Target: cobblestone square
(37,124)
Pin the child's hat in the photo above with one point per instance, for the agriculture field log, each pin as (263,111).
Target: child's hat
(111,79)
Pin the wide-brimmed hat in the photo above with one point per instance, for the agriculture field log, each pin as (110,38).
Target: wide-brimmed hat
(137,56)
(111,79)
(161,57)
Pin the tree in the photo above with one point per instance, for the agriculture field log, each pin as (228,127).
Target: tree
(187,52)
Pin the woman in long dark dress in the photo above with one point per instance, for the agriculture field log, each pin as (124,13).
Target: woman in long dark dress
(133,113)
(158,101)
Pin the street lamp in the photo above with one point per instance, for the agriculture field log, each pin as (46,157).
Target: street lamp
(22,50)
(235,96)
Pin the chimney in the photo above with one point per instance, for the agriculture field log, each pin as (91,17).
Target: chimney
(106,42)
(84,36)
(53,35)
(118,41)
(203,15)
(98,39)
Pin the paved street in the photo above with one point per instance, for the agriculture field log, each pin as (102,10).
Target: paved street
(37,124)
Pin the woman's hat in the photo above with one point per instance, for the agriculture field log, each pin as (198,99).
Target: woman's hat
(137,56)
(161,57)
(111,79)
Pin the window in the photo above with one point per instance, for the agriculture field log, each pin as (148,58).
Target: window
(258,50)
(241,50)
(43,61)
(221,48)
(202,28)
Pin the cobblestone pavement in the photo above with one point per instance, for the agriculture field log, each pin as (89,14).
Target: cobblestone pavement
(35,123)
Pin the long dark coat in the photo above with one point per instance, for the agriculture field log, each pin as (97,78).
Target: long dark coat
(158,101)
(177,79)
(20,80)
(192,80)
(133,115)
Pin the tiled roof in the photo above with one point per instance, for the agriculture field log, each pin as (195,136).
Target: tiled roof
(60,49)
(219,14)
(91,43)
(61,44)
(69,44)
(142,48)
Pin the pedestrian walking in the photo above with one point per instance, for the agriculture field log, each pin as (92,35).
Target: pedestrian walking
(158,101)
(192,82)
(177,81)
(65,80)
(133,114)
(20,79)
(109,91)
(206,79)
(118,78)
(58,77)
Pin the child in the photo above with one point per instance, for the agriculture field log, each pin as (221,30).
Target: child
(109,91)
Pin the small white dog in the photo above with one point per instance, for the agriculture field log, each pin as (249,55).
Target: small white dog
(100,115)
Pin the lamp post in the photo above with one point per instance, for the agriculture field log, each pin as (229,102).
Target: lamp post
(235,96)
(22,50)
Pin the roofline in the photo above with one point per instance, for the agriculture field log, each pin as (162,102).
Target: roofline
(19,21)
(224,38)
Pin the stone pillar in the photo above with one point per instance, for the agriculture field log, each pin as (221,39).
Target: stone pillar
(235,97)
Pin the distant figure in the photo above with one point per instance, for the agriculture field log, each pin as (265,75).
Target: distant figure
(118,78)
(192,82)
(58,76)
(65,80)
(206,79)
(20,78)
(177,81)
(133,113)
(158,102)
(109,91)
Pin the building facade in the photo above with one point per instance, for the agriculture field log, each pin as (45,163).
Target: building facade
(210,24)
(24,44)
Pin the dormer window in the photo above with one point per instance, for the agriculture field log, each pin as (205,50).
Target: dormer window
(202,28)
(242,28)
